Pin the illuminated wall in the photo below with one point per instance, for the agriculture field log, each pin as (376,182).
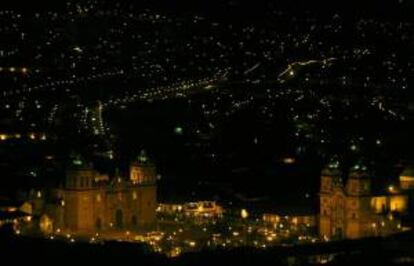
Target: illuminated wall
(394,203)
(407,182)
(398,203)
(271,218)
(379,204)
(137,175)
(297,220)
(142,174)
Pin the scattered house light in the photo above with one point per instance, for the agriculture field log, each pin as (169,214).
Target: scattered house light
(289,160)
(353,147)
(178,130)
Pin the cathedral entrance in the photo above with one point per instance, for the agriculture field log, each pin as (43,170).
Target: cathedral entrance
(134,221)
(98,224)
(338,215)
(119,219)
(46,224)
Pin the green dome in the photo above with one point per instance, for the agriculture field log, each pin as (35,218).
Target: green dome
(359,170)
(143,158)
(77,161)
(332,168)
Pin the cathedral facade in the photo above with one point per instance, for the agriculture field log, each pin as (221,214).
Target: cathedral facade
(355,209)
(88,202)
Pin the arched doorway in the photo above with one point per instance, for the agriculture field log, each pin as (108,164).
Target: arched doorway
(98,224)
(338,215)
(134,221)
(119,219)
(46,224)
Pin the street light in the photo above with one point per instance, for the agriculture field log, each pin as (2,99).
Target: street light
(244,214)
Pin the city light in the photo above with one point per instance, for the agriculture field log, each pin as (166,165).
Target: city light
(244,214)
(280,133)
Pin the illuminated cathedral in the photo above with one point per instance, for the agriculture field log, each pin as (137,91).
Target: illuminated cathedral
(354,208)
(88,202)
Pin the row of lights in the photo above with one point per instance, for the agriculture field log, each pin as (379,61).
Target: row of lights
(23,70)
(31,136)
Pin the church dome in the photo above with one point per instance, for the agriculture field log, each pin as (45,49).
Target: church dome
(359,170)
(332,168)
(143,158)
(76,160)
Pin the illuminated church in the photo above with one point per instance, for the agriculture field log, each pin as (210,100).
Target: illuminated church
(355,208)
(87,202)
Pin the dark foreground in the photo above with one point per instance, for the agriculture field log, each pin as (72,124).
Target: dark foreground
(396,250)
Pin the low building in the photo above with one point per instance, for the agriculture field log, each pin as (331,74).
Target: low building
(297,213)
(304,220)
(192,209)
(407,178)
(14,212)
